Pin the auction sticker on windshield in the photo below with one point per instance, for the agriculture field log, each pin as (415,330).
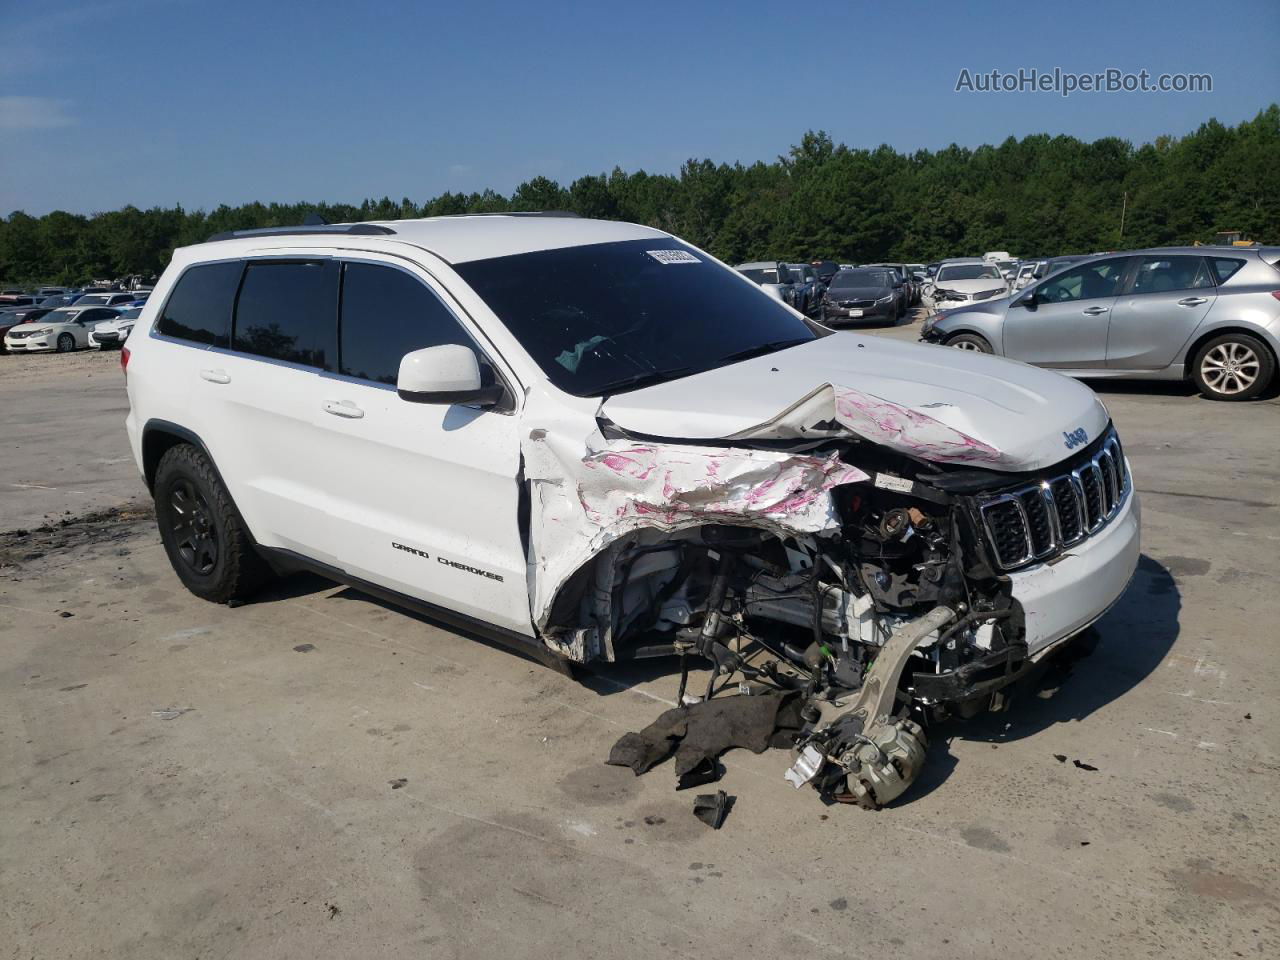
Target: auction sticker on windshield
(672,256)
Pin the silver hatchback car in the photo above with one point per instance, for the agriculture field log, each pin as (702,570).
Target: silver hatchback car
(1209,314)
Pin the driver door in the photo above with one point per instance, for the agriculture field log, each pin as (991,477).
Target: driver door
(421,498)
(1068,325)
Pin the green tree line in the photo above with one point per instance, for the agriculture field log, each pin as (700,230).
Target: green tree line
(1038,196)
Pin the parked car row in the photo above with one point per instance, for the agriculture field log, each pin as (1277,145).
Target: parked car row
(63,321)
(832,292)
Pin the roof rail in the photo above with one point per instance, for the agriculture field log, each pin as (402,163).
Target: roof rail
(359,229)
(521,213)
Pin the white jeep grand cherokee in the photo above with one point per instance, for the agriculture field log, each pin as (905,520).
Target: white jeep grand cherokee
(596,442)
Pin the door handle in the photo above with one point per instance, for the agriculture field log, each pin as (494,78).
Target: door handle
(343,408)
(1094,311)
(1191,301)
(215,376)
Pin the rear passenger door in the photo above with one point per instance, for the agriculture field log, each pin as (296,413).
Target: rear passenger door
(421,498)
(1167,298)
(256,401)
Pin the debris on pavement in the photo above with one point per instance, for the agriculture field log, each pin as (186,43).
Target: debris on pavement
(398,782)
(699,733)
(170,713)
(712,808)
(1078,764)
(101,526)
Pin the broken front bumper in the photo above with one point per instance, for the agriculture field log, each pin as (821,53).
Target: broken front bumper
(1064,596)
(1059,599)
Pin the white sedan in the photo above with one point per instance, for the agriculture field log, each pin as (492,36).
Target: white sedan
(111,334)
(964,282)
(63,330)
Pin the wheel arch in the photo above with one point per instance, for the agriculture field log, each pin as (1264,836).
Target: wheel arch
(161,436)
(1189,358)
(952,334)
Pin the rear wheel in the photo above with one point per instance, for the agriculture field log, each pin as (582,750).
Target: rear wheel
(66,343)
(1234,366)
(970,341)
(202,532)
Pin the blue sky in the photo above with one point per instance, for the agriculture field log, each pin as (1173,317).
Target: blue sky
(199,103)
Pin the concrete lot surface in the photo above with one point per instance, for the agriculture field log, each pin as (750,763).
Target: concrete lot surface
(317,775)
(62,441)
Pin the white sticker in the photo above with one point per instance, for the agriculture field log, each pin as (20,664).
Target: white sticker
(673,256)
(887,481)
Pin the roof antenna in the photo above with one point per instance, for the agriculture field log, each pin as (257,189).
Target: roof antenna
(314,220)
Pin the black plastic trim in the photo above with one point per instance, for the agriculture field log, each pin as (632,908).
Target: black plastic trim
(348,229)
(189,436)
(564,214)
(284,561)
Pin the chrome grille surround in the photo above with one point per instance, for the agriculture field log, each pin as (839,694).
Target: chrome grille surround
(1076,504)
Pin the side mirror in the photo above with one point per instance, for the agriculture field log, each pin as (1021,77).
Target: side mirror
(447,374)
(1029,301)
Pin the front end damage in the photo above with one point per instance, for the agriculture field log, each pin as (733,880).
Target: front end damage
(843,553)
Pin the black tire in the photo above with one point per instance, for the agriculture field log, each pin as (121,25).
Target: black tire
(1234,366)
(970,341)
(66,343)
(203,534)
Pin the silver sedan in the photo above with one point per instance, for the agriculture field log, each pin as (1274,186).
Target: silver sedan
(1208,314)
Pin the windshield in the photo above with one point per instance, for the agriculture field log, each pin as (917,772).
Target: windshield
(968,271)
(852,279)
(761,276)
(131,314)
(609,317)
(94,300)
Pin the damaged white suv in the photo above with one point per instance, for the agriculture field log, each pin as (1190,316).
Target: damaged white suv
(597,442)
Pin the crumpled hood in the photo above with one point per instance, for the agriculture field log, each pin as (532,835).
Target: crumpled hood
(970,286)
(936,403)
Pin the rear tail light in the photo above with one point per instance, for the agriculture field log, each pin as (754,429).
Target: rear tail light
(1276,294)
(124,360)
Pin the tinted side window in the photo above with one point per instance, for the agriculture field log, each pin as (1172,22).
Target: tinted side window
(1162,274)
(387,313)
(199,309)
(1226,267)
(1098,279)
(289,311)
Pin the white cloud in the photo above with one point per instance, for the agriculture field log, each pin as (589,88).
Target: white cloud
(33,113)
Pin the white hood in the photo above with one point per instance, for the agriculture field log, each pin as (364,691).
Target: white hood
(970,287)
(928,401)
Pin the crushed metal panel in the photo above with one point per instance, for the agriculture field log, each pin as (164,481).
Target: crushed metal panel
(588,493)
(832,410)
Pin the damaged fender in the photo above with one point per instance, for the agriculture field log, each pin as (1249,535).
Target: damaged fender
(588,494)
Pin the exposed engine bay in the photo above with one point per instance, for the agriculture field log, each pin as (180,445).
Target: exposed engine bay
(892,620)
(862,556)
